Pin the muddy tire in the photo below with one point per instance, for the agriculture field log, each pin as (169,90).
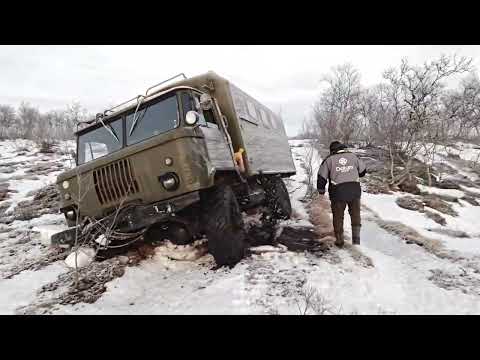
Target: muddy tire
(278,199)
(224,225)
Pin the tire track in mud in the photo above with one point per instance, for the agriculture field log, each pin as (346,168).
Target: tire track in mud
(270,285)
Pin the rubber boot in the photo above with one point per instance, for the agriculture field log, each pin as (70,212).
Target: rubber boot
(339,239)
(356,235)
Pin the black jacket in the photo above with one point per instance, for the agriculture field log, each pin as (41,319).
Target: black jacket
(342,170)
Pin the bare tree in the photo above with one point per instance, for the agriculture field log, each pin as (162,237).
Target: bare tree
(28,117)
(308,165)
(462,109)
(336,113)
(418,91)
(74,114)
(7,119)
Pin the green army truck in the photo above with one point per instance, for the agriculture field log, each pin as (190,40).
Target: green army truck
(184,160)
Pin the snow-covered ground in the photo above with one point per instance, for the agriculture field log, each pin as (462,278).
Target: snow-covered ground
(404,278)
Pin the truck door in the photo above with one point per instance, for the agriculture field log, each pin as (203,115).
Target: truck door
(217,147)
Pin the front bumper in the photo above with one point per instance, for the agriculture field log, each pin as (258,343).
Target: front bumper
(136,217)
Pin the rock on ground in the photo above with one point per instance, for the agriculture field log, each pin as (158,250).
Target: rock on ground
(410,203)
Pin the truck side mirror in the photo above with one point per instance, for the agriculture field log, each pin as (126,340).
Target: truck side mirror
(206,102)
(73,154)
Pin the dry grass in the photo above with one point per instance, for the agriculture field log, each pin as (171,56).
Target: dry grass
(319,212)
(320,216)
(412,236)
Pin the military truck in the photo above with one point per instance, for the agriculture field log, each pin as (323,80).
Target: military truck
(184,160)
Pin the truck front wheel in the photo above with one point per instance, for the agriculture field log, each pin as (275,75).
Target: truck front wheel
(223,225)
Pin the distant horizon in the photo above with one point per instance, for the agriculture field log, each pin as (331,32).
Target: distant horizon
(285,78)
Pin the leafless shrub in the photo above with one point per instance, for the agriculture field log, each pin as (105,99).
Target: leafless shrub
(46,146)
(28,122)
(336,113)
(409,114)
(311,302)
(309,166)
(273,311)
(7,119)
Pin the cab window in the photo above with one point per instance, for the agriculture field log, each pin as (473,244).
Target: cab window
(192,102)
(151,120)
(100,141)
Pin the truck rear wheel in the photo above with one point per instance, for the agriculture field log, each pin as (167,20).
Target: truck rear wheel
(224,225)
(278,199)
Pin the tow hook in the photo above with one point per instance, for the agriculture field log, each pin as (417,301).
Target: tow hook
(167,210)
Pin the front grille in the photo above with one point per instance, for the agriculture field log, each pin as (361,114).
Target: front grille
(115,182)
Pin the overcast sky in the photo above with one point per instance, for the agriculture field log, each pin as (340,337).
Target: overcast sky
(50,77)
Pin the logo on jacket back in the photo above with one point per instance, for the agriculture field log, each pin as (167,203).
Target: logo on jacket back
(342,161)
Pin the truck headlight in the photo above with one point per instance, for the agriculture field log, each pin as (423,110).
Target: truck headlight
(170,181)
(65,184)
(70,214)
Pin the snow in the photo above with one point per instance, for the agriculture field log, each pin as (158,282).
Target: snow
(466,151)
(386,208)
(173,288)
(20,290)
(267,248)
(80,258)
(8,154)
(395,285)
(471,189)
(182,279)
(299,188)
(438,191)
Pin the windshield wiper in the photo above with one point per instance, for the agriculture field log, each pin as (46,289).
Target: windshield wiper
(135,118)
(110,130)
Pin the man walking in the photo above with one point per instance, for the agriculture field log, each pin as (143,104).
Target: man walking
(342,169)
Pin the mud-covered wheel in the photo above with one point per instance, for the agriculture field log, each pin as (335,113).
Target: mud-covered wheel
(223,225)
(278,199)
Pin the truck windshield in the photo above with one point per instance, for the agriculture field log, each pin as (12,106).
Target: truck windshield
(151,119)
(100,142)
